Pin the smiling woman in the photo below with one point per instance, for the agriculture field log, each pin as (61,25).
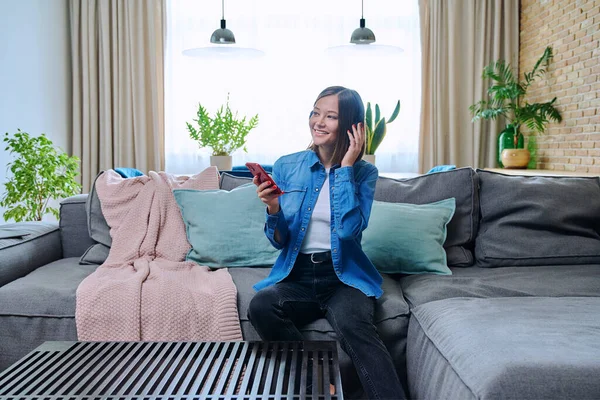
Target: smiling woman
(294,37)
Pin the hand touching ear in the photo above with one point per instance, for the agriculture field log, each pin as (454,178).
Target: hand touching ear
(357,143)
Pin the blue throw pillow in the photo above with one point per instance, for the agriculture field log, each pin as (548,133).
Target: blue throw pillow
(129,172)
(225,228)
(408,238)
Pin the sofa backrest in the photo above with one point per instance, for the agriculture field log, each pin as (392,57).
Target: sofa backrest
(500,220)
(538,220)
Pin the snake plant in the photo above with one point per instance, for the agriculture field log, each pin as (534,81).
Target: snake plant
(376,130)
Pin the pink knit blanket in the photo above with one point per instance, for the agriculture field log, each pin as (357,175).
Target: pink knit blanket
(145,290)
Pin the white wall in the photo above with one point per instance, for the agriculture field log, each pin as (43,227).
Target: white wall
(35,72)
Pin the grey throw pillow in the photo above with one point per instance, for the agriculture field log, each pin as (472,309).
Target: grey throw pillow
(459,183)
(97,226)
(538,220)
(229,181)
(95,254)
(98,229)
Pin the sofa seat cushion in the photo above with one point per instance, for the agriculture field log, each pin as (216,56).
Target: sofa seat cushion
(39,307)
(509,348)
(48,291)
(550,281)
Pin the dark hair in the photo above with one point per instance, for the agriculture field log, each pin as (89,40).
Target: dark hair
(351,111)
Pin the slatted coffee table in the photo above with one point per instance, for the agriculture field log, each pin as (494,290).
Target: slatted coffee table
(175,370)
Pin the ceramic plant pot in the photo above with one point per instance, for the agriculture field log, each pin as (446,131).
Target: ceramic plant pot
(369,158)
(515,158)
(223,163)
(506,140)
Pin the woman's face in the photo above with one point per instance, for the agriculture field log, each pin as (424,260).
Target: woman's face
(324,121)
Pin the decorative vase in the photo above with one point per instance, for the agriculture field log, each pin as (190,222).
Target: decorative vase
(506,140)
(223,163)
(370,158)
(515,158)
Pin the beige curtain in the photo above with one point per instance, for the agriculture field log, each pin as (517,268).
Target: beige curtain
(118,95)
(458,39)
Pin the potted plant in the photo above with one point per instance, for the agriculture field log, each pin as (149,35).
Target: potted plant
(224,133)
(507,98)
(375,130)
(40,172)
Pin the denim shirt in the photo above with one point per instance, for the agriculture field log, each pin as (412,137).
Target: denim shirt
(301,176)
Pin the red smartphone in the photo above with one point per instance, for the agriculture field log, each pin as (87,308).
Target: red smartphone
(257,170)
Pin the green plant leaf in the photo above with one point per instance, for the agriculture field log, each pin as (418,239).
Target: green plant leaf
(369,117)
(538,69)
(378,135)
(368,129)
(394,113)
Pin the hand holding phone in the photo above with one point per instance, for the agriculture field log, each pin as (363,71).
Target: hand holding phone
(258,171)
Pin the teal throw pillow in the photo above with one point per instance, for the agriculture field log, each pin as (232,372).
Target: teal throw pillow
(225,228)
(408,238)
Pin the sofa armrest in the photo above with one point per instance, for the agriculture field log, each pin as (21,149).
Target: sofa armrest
(75,237)
(33,244)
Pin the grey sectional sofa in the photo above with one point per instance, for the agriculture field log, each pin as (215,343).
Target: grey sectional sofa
(518,318)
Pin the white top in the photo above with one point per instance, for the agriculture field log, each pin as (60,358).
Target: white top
(318,233)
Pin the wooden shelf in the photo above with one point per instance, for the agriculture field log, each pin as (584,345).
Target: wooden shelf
(540,172)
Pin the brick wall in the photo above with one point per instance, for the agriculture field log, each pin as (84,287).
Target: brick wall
(572,28)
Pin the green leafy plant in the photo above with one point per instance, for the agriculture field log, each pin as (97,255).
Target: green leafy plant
(507,97)
(40,172)
(224,133)
(375,130)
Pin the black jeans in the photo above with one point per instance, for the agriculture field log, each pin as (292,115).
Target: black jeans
(312,291)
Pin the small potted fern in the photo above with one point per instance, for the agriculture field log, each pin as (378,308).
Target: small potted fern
(375,130)
(224,133)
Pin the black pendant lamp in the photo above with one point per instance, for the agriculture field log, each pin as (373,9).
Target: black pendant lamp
(223,44)
(222,35)
(362,35)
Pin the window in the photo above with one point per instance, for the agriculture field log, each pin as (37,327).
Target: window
(281,86)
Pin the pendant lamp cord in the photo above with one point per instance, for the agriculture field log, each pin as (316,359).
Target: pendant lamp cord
(222,9)
(362,8)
